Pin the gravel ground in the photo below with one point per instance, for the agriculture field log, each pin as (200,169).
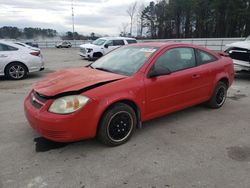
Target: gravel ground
(196,147)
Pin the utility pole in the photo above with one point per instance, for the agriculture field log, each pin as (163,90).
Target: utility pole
(73,20)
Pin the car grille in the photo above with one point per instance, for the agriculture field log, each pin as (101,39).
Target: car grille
(37,100)
(241,54)
(83,50)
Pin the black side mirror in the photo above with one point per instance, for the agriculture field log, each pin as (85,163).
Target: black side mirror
(106,46)
(159,71)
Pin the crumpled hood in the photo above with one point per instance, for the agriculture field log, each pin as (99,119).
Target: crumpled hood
(242,44)
(73,80)
(88,46)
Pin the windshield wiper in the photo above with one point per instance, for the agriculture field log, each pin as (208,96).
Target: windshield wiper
(103,69)
(90,65)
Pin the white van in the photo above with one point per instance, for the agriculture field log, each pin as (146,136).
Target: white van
(102,46)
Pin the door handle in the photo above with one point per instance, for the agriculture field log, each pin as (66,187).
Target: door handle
(3,56)
(196,76)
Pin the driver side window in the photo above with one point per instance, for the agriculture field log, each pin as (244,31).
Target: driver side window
(109,43)
(177,59)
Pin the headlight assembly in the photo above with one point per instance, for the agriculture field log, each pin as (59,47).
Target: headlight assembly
(68,104)
(89,50)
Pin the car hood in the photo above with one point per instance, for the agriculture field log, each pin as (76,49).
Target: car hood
(89,46)
(242,44)
(72,80)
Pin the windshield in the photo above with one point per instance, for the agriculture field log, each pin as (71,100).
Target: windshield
(125,60)
(99,42)
(248,38)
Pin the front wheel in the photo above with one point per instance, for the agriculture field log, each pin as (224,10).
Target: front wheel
(219,96)
(117,125)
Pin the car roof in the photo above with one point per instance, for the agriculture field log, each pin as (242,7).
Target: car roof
(20,43)
(158,44)
(12,43)
(166,44)
(121,38)
(173,45)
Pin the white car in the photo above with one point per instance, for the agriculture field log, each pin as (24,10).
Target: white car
(17,61)
(240,53)
(102,46)
(28,46)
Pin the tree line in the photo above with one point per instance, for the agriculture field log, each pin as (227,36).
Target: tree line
(9,32)
(26,33)
(191,19)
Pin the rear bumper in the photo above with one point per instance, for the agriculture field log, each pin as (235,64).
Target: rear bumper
(36,65)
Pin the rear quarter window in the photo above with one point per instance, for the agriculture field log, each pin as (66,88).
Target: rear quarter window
(204,57)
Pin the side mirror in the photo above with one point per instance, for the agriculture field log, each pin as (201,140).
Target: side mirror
(106,46)
(159,71)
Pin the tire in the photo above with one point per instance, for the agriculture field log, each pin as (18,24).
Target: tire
(16,71)
(219,96)
(97,55)
(117,125)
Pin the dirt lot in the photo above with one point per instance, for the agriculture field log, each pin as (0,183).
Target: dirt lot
(197,147)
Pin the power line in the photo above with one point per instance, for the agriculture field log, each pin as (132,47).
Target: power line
(73,20)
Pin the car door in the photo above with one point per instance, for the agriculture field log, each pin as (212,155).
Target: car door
(64,44)
(6,53)
(112,44)
(108,46)
(177,90)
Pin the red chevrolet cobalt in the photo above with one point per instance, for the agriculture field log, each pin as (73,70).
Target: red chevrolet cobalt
(112,96)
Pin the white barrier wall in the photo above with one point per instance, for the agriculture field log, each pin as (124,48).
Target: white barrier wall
(210,43)
(218,44)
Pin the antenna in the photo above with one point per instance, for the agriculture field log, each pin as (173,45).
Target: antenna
(73,20)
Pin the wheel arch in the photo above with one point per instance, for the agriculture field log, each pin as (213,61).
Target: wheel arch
(220,78)
(128,102)
(225,80)
(5,68)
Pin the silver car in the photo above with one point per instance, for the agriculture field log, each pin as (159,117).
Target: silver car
(16,61)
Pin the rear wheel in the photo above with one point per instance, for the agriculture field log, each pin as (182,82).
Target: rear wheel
(117,125)
(16,71)
(219,96)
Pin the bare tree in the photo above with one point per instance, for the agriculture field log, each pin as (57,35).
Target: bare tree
(123,29)
(131,12)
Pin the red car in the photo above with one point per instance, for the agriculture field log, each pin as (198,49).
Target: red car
(130,85)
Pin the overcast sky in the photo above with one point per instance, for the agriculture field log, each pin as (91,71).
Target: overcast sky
(99,16)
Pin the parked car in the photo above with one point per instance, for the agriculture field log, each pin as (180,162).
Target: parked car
(240,53)
(16,61)
(33,44)
(64,44)
(133,84)
(28,46)
(102,46)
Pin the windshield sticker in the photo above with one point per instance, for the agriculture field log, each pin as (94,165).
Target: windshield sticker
(149,50)
(147,54)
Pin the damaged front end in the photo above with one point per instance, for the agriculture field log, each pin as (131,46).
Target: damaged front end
(38,99)
(240,53)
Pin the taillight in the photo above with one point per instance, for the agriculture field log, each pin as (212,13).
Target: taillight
(35,53)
